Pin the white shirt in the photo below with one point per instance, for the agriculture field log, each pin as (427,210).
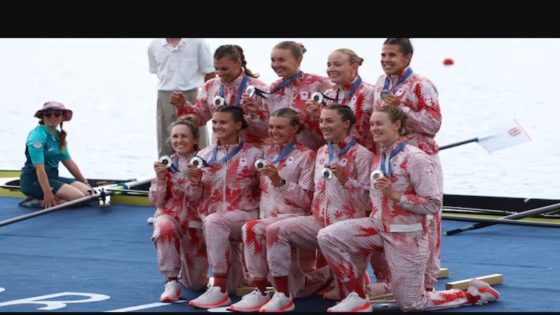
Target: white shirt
(181,67)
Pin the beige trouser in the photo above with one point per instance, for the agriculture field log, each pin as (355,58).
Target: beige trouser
(166,114)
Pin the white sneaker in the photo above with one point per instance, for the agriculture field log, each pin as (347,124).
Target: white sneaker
(483,290)
(251,302)
(212,298)
(279,303)
(353,303)
(172,292)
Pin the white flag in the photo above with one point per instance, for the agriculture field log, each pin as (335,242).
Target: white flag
(508,135)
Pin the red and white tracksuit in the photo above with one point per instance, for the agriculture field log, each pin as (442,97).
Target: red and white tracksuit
(204,106)
(332,202)
(361,103)
(293,199)
(229,197)
(400,229)
(178,235)
(294,96)
(419,100)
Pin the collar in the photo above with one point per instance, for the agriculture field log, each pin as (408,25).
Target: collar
(343,143)
(394,145)
(348,86)
(181,42)
(296,81)
(227,147)
(236,82)
(48,131)
(396,77)
(186,157)
(280,147)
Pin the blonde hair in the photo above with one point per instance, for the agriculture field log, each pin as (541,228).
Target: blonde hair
(395,114)
(297,49)
(292,115)
(354,58)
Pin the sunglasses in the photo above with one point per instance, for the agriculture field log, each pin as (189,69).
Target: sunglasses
(51,113)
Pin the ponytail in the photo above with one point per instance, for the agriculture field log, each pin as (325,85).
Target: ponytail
(62,138)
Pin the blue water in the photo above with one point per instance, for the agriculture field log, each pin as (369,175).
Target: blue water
(107,85)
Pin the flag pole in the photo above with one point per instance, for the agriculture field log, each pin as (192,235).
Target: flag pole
(456,144)
(507,136)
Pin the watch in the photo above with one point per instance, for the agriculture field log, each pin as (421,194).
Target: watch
(281,183)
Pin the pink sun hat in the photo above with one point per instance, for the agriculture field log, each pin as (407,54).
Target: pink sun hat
(53,105)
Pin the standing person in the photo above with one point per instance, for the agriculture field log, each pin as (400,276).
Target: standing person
(181,64)
(228,191)
(286,191)
(293,89)
(401,201)
(228,89)
(46,146)
(177,235)
(350,90)
(341,188)
(417,96)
